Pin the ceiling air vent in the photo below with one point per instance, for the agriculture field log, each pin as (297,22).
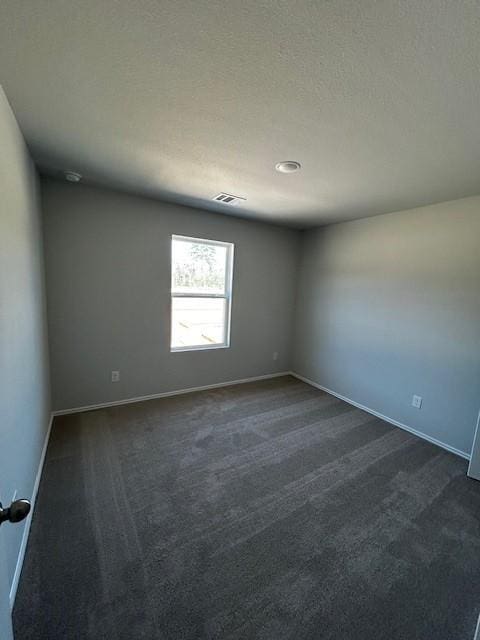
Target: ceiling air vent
(227,198)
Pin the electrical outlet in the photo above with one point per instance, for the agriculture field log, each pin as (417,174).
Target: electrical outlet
(115,376)
(275,355)
(417,402)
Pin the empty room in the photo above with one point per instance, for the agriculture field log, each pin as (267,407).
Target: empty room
(239,320)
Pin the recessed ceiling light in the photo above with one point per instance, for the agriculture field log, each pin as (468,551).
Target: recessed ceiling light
(72,176)
(288,166)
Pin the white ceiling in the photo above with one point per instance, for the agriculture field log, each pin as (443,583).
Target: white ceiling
(378,100)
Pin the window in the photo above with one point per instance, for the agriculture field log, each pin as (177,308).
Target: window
(202,273)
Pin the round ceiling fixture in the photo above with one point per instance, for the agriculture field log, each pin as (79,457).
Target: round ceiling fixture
(288,166)
(72,176)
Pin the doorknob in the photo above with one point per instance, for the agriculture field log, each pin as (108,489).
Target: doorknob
(16,512)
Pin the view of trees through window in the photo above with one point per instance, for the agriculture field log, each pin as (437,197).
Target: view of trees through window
(198,267)
(200,293)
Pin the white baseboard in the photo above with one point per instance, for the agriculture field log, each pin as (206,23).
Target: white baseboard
(167,394)
(395,423)
(474,468)
(477,631)
(28,521)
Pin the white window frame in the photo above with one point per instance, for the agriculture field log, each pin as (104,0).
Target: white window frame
(227,295)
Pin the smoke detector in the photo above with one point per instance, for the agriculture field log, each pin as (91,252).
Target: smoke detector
(72,176)
(288,166)
(228,198)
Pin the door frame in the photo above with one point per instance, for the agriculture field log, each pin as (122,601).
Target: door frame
(6,628)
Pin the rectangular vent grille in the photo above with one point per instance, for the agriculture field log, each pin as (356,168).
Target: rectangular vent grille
(227,198)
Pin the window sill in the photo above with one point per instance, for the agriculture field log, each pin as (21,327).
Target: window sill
(201,347)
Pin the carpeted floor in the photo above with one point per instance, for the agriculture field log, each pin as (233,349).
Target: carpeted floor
(266,510)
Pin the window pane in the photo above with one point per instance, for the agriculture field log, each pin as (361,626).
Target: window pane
(198,267)
(198,321)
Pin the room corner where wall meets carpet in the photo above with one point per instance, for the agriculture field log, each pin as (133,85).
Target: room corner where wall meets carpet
(269,504)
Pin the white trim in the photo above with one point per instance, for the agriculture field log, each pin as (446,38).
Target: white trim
(28,521)
(218,243)
(200,347)
(199,295)
(419,434)
(226,295)
(167,394)
(477,632)
(474,466)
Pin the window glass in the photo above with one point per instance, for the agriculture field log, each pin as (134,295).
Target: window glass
(202,273)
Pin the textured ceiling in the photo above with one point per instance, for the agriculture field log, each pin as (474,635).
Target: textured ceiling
(378,100)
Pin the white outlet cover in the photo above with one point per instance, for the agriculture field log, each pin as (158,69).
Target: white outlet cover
(417,402)
(115,376)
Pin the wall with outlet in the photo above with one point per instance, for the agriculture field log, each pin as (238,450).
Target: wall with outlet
(24,388)
(388,315)
(108,279)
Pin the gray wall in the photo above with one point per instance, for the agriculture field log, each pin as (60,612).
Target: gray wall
(24,386)
(389,307)
(108,277)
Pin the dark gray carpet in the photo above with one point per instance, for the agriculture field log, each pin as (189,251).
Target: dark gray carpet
(262,511)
